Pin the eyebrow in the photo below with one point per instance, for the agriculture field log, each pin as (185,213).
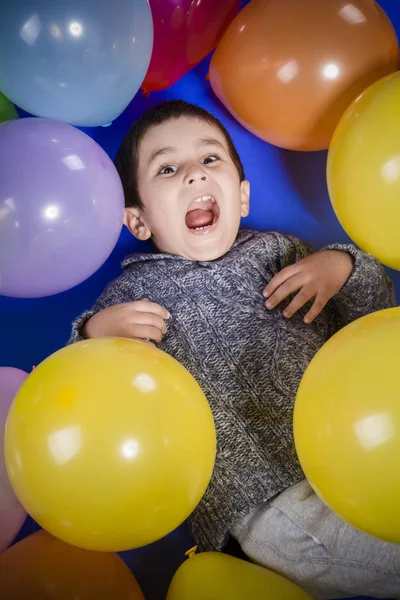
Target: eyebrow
(169,149)
(211,142)
(159,152)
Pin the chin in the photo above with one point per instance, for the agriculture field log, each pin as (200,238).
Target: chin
(214,249)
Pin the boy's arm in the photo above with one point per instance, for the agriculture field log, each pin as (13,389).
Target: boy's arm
(368,289)
(118,291)
(122,311)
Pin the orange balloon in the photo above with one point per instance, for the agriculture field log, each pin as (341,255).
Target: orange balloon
(287,69)
(41,567)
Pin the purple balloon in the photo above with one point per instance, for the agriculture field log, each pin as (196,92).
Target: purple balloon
(12,515)
(61,207)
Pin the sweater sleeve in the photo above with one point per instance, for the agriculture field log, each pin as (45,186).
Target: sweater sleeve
(118,291)
(369,289)
(291,250)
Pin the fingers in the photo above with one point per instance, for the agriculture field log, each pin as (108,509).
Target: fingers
(290,286)
(278,280)
(146,332)
(300,300)
(150,319)
(145,341)
(316,309)
(304,295)
(151,307)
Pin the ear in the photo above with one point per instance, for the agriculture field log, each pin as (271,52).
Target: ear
(244,198)
(136,224)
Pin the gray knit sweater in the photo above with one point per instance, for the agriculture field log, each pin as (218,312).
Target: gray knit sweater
(248,361)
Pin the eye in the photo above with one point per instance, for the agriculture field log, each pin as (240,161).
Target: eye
(211,158)
(167,170)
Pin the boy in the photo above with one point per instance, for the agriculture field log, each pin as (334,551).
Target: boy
(201,298)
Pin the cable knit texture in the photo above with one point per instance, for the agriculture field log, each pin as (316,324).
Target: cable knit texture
(249,361)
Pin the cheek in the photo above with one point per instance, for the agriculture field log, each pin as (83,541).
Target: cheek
(163,220)
(228,180)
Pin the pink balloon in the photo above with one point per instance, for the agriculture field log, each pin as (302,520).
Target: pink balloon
(12,515)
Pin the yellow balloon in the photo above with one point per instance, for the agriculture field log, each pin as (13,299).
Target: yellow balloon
(216,576)
(347,424)
(40,567)
(363,170)
(110,444)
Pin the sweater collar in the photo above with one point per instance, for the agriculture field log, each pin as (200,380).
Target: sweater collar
(159,256)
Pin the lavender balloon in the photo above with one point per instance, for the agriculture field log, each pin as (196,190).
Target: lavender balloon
(12,515)
(61,207)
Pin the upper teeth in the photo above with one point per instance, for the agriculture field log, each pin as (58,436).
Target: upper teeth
(205,199)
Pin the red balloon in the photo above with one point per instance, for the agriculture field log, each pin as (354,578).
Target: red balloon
(185,31)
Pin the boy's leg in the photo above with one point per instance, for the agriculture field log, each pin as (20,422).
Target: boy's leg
(298,536)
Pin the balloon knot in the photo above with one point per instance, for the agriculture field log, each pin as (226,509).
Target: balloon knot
(208,77)
(190,553)
(145,93)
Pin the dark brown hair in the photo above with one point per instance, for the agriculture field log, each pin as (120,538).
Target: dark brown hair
(127,158)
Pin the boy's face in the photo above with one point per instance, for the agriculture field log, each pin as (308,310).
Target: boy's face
(190,189)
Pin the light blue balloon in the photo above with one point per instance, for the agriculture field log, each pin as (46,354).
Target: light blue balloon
(79,61)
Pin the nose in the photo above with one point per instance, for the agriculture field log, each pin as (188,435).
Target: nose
(195,174)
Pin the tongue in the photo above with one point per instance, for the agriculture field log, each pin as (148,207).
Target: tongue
(199,218)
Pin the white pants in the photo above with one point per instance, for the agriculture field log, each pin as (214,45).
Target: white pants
(298,536)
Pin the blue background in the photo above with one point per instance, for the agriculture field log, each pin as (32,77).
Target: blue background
(288,194)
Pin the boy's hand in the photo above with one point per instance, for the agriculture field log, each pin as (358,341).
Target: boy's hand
(318,276)
(139,320)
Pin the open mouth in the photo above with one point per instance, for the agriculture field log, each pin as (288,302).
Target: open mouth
(203,214)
